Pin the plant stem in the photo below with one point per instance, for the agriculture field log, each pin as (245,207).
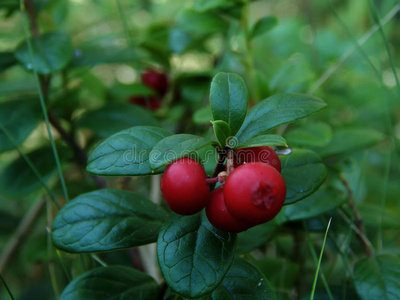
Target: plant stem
(7,288)
(358,220)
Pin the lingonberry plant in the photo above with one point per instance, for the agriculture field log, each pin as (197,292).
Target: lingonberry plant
(175,150)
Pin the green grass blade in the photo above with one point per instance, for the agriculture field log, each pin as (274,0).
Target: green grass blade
(319,262)
(30,164)
(42,102)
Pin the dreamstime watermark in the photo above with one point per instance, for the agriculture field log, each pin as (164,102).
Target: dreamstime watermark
(137,154)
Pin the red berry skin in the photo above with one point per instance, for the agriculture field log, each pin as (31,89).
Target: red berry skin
(155,80)
(150,102)
(254,192)
(219,216)
(184,186)
(262,154)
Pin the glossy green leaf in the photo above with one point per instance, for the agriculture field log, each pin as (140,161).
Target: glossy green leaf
(18,179)
(194,256)
(115,117)
(245,281)
(19,117)
(50,52)
(351,139)
(315,134)
(106,220)
(278,110)
(322,201)
(228,97)
(256,236)
(113,282)
(378,277)
(174,147)
(221,132)
(126,153)
(303,172)
(263,26)
(264,140)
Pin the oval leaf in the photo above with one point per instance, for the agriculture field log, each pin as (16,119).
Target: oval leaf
(19,117)
(193,255)
(303,172)
(115,282)
(263,25)
(126,153)
(221,132)
(174,147)
(351,139)
(378,277)
(264,140)
(228,97)
(50,52)
(106,220)
(115,117)
(245,280)
(278,110)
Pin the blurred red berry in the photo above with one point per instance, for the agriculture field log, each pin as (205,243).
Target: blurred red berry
(156,80)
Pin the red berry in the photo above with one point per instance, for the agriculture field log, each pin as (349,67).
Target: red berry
(219,216)
(262,154)
(254,192)
(184,186)
(155,80)
(149,102)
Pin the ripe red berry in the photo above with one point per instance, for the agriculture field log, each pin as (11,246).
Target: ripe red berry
(184,186)
(155,80)
(254,192)
(262,154)
(219,216)
(149,102)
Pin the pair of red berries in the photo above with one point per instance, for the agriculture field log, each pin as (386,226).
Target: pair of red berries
(157,81)
(252,194)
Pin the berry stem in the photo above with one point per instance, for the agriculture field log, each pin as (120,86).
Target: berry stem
(229,161)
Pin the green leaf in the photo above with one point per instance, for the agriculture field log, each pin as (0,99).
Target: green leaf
(303,172)
(351,139)
(228,97)
(115,117)
(114,282)
(322,201)
(126,153)
(243,281)
(174,147)
(314,134)
(278,110)
(19,117)
(106,220)
(18,179)
(193,255)
(50,52)
(256,236)
(221,132)
(378,277)
(264,140)
(263,26)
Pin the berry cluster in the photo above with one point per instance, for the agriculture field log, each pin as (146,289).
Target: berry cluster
(158,82)
(253,193)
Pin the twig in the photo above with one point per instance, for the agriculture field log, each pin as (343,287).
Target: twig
(358,220)
(24,228)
